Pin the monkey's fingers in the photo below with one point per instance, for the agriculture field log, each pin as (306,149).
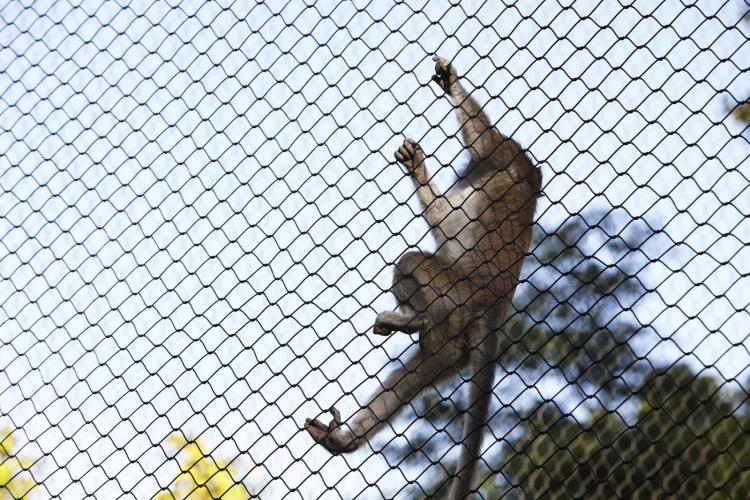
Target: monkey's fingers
(442,65)
(336,419)
(314,423)
(445,74)
(440,62)
(403,154)
(408,148)
(381,330)
(441,82)
(317,430)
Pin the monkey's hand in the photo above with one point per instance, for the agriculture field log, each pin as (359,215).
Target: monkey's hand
(410,155)
(331,436)
(445,74)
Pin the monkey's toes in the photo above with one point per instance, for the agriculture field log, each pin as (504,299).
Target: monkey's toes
(380,329)
(330,436)
(317,429)
(336,418)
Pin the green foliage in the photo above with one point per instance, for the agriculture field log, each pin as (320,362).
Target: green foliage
(201,476)
(570,315)
(568,320)
(652,432)
(742,112)
(689,439)
(15,481)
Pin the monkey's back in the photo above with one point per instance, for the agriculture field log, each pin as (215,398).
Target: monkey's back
(501,212)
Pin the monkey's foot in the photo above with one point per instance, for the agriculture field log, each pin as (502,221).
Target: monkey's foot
(331,436)
(410,155)
(391,321)
(445,74)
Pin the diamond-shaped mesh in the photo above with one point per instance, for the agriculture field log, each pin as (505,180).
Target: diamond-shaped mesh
(201,215)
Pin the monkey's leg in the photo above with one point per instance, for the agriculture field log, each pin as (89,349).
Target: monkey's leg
(400,387)
(482,361)
(418,281)
(394,321)
(480,136)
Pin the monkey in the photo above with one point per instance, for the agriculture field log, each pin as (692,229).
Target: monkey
(456,298)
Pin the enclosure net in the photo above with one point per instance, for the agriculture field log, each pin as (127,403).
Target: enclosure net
(201,214)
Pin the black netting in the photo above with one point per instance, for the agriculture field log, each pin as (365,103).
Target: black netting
(201,215)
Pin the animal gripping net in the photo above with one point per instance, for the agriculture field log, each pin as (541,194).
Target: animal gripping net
(201,213)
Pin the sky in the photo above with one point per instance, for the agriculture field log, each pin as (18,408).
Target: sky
(201,210)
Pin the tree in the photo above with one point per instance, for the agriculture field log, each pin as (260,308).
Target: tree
(653,431)
(741,110)
(202,477)
(572,320)
(15,481)
(689,440)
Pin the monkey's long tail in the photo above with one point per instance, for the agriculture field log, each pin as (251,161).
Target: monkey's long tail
(482,367)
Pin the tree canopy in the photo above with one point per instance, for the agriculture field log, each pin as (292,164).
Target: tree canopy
(636,429)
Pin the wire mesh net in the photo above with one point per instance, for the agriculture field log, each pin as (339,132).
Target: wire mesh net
(201,215)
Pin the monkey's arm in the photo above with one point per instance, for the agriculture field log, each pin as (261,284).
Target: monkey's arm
(480,136)
(434,206)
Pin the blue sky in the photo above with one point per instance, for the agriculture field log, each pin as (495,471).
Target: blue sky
(200,207)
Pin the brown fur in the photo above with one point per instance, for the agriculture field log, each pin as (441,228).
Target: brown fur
(458,297)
